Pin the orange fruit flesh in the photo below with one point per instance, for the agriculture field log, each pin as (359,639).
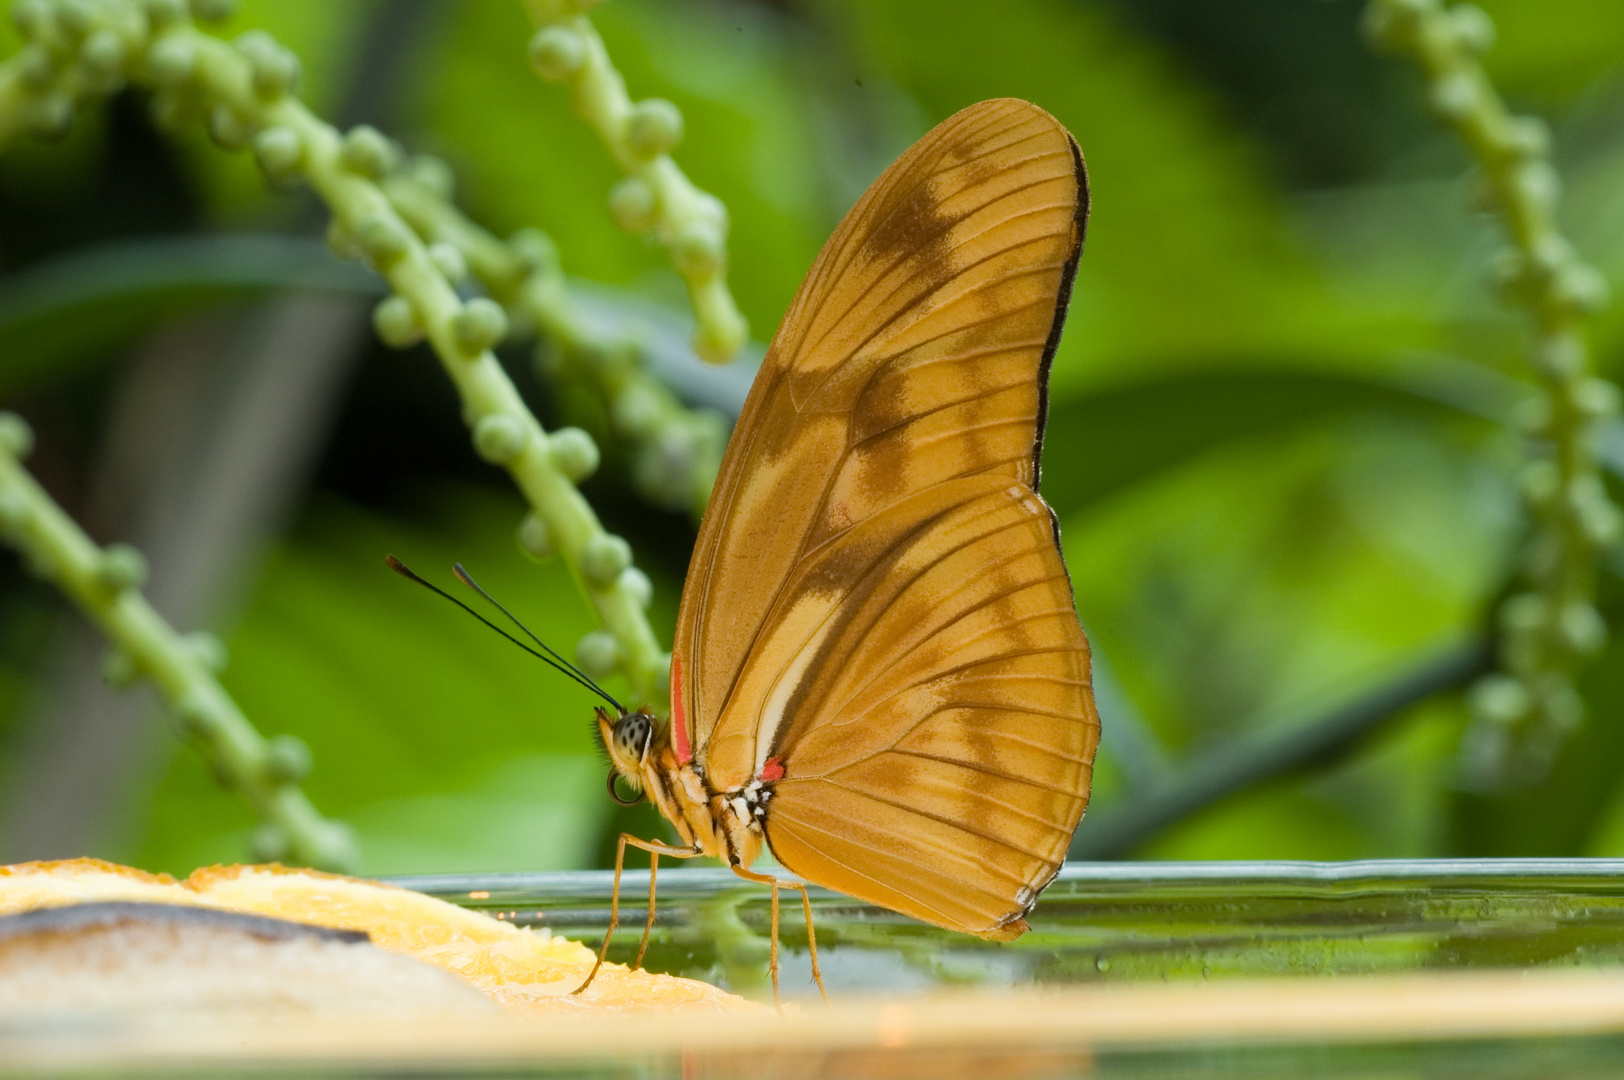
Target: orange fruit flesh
(527,971)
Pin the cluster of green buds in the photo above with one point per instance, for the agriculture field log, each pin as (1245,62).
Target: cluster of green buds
(674,451)
(79,50)
(1550,628)
(105,583)
(655,196)
(243,92)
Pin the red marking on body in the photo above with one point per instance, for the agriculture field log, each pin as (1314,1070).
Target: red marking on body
(772,769)
(679,715)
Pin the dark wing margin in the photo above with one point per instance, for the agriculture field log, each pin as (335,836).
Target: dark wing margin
(1068,277)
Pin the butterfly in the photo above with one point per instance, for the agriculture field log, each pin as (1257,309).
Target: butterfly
(878,672)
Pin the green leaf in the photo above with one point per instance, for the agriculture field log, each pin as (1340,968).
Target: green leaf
(1102,441)
(77,307)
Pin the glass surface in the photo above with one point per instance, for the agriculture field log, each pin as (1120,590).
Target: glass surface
(1121,924)
(1101,922)
(1129,957)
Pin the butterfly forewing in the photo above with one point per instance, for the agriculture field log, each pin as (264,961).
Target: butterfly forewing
(877,598)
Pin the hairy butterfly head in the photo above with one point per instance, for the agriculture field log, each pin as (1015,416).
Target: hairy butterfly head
(628,740)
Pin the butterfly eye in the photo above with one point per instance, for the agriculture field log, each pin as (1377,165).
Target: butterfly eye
(632,734)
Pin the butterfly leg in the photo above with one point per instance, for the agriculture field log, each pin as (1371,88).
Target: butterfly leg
(655,849)
(811,935)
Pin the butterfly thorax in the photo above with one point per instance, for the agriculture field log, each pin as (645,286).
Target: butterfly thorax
(725,825)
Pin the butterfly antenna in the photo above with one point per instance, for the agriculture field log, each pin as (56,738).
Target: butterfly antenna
(562,665)
(468,579)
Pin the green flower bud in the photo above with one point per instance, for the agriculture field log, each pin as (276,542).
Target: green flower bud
(536,538)
(1583,628)
(1564,709)
(341,242)
(367,151)
(1527,136)
(479,325)
(1580,287)
(1561,356)
(30,17)
(1501,700)
(122,568)
(557,52)
(1601,521)
(574,452)
(449,260)
(500,438)
(653,128)
(269,843)
(699,250)
(77,17)
(637,585)
(633,204)
(383,238)
(16,437)
(274,70)
(119,669)
(209,650)
(1384,27)
(1454,96)
(1540,481)
(1603,524)
(213,10)
(161,13)
(604,559)
(396,322)
(1595,397)
(1473,28)
(1524,613)
(49,116)
(433,174)
(226,128)
(1537,182)
(535,249)
(717,340)
(334,849)
(279,151)
(1550,253)
(37,67)
(598,654)
(287,760)
(193,714)
(103,53)
(171,60)
(637,410)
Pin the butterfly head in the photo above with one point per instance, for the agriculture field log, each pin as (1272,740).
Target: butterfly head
(628,739)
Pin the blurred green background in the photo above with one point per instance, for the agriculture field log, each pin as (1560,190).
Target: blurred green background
(1272,442)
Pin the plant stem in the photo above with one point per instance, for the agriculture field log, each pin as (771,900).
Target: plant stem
(105,585)
(1312,745)
(1548,631)
(656,195)
(675,451)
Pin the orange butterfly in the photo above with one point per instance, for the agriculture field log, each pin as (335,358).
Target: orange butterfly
(878,671)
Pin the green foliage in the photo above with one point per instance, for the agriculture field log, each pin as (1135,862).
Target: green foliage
(440,743)
(1280,419)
